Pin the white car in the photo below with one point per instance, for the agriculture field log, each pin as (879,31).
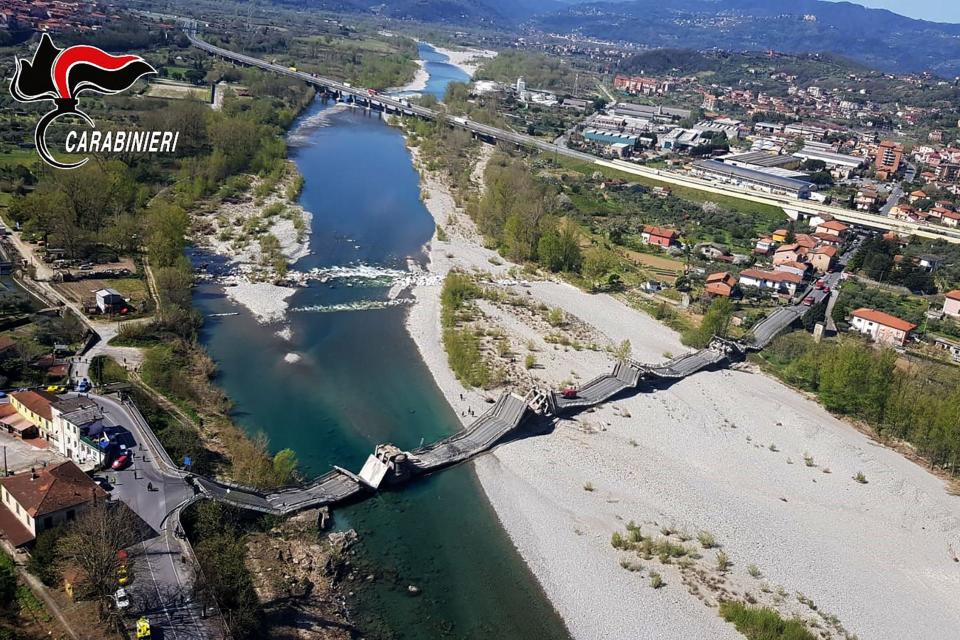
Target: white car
(121,598)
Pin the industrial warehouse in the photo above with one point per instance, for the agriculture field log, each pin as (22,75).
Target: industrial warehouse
(753,179)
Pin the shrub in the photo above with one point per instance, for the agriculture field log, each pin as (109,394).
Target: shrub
(656,580)
(723,561)
(760,623)
(530,361)
(754,571)
(706,539)
(862,479)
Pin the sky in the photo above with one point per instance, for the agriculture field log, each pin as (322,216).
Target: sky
(936,10)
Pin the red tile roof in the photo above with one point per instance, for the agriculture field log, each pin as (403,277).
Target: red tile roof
(827,251)
(954,295)
(55,488)
(885,319)
(772,276)
(36,401)
(13,530)
(834,225)
(663,232)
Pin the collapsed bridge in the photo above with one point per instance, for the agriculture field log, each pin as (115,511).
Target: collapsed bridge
(391,466)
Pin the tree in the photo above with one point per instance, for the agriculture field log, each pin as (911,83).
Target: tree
(560,250)
(90,545)
(285,465)
(44,557)
(715,323)
(8,581)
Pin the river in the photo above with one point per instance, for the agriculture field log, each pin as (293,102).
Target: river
(360,381)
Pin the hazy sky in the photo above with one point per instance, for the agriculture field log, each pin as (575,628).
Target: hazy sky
(937,10)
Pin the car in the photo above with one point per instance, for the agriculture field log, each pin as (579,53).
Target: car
(122,576)
(143,629)
(56,388)
(122,462)
(819,284)
(808,301)
(121,598)
(826,290)
(83,386)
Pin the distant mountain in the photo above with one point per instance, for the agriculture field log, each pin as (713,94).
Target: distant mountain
(502,13)
(876,37)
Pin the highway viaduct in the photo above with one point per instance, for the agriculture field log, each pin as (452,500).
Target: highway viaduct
(792,207)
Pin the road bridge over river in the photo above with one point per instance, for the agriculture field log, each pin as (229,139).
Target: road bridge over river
(793,207)
(505,419)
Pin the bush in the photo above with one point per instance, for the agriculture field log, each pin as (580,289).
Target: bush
(43,557)
(706,539)
(760,623)
(530,361)
(656,580)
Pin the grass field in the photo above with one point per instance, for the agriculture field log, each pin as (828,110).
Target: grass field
(133,290)
(765,211)
(175,91)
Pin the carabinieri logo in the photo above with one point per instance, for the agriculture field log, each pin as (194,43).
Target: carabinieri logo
(61,75)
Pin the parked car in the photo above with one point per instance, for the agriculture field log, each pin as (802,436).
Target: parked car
(121,598)
(56,388)
(808,301)
(122,462)
(83,386)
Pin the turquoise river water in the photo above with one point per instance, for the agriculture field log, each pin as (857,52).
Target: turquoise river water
(361,382)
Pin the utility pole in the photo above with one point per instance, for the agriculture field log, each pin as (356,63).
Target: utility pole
(5,461)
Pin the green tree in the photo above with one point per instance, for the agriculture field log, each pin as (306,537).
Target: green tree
(715,322)
(285,465)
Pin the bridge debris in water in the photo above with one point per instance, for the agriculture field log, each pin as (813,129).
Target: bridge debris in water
(390,466)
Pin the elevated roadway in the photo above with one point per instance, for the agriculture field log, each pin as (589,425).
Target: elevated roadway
(793,207)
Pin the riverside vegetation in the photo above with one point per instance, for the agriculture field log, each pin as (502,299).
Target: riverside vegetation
(142,206)
(917,403)
(754,606)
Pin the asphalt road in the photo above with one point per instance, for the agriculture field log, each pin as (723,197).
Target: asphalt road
(163,566)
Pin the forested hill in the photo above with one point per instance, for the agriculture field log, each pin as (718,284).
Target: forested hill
(876,37)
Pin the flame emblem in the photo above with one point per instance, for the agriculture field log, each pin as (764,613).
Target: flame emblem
(61,75)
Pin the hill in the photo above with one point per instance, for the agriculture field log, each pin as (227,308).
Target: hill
(876,37)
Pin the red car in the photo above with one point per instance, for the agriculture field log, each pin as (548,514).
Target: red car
(570,392)
(122,462)
(808,301)
(819,284)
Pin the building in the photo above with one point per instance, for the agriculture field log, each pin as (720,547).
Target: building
(679,139)
(16,424)
(774,281)
(951,306)
(721,284)
(656,113)
(35,407)
(35,501)
(822,258)
(753,179)
(889,157)
(788,253)
(832,228)
(882,328)
(797,268)
(521,86)
(762,160)
(660,236)
(946,344)
(109,300)
(840,165)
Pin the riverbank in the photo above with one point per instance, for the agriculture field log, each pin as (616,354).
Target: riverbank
(260,230)
(467,60)
(767,472)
